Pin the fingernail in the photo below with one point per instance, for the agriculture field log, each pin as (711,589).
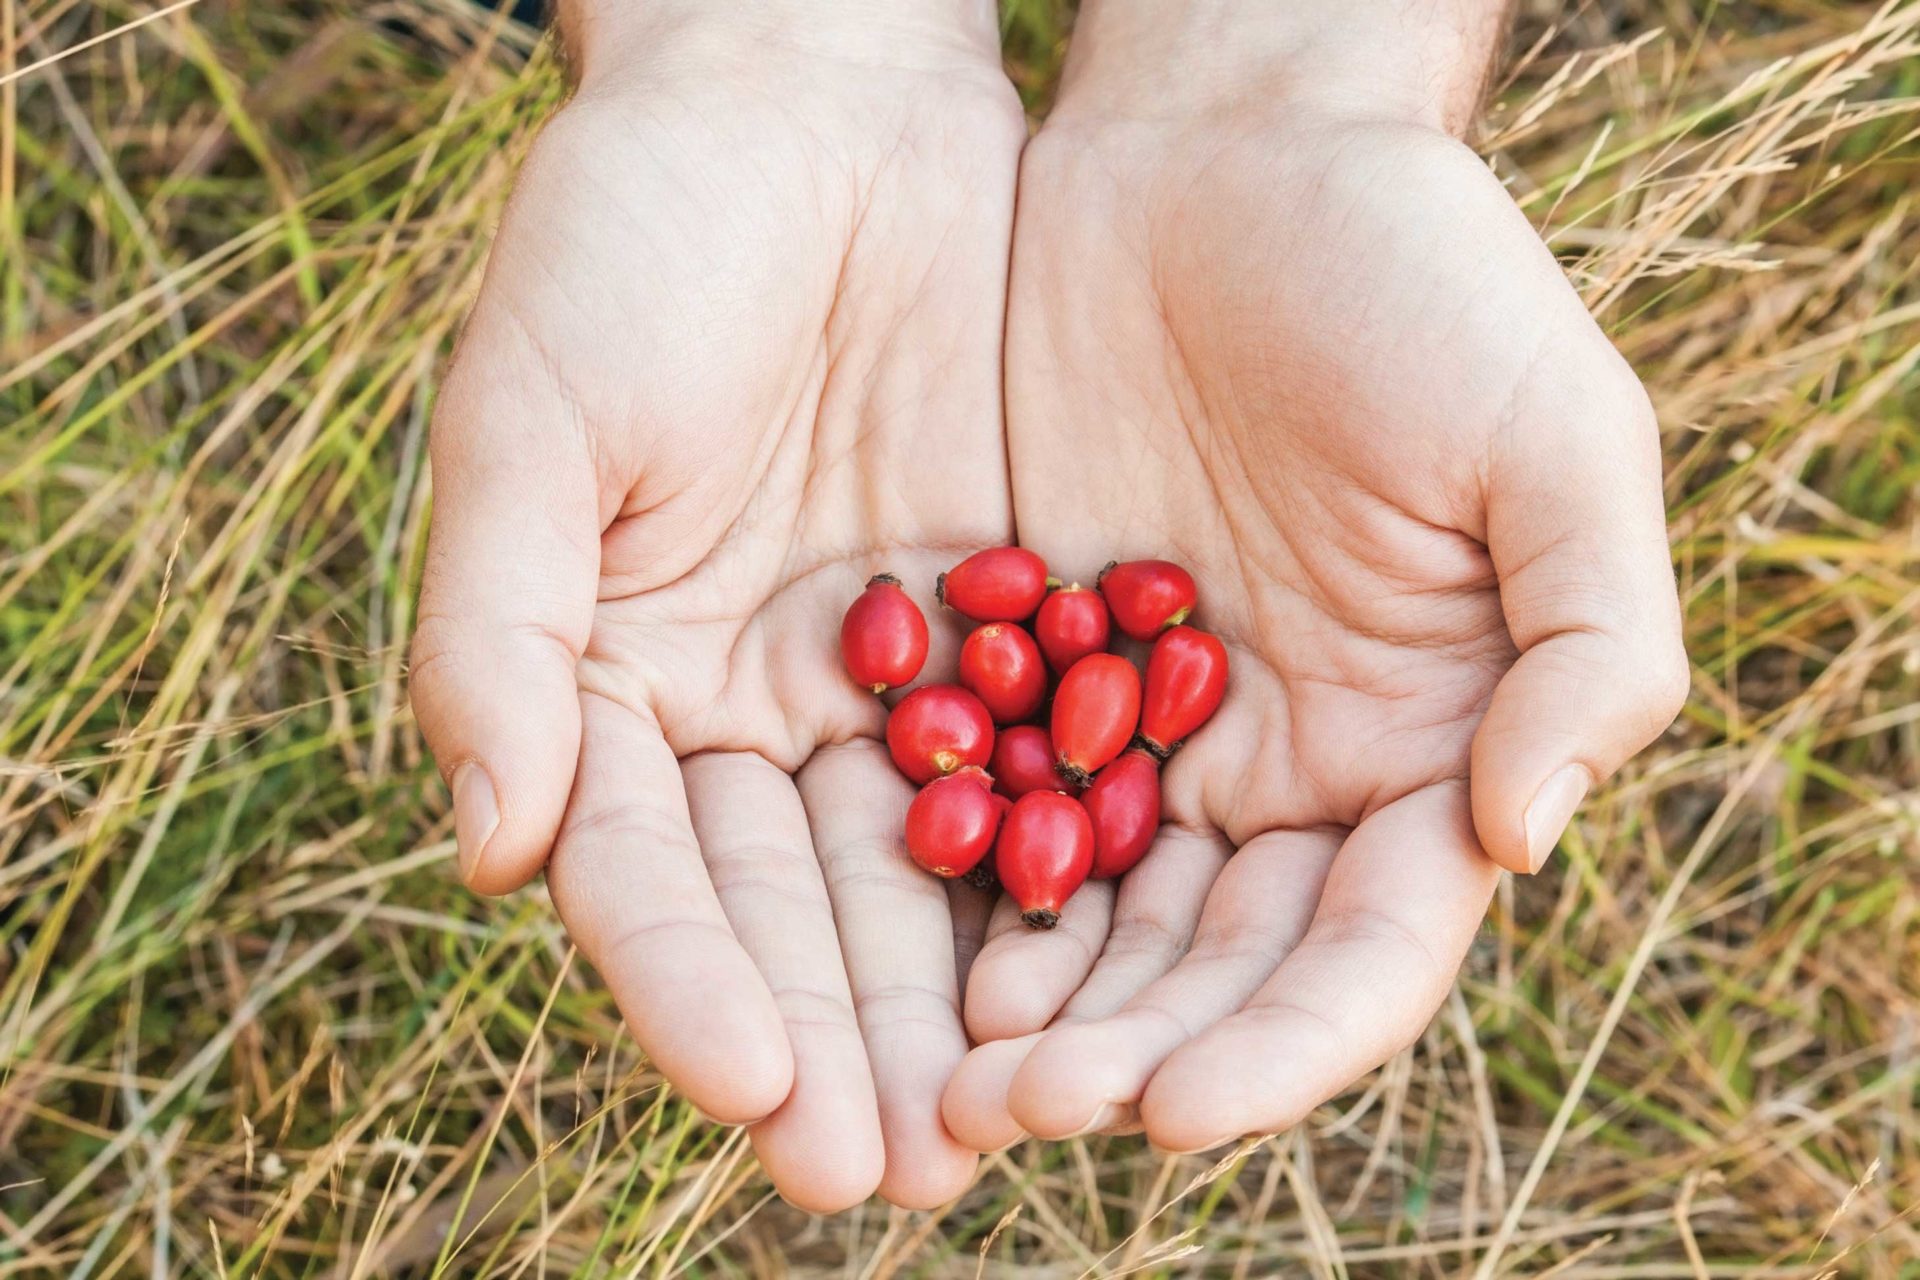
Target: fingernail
(1551,811)
(476,812)
(1109,1116)
(1198,1147)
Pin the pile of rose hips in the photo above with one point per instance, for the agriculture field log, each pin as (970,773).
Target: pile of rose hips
(1042,807)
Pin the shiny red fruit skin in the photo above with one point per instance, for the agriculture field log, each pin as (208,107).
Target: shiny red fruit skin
(1023,762)
(1000,584)
(1072,623)
(1043,854)
(1124,806)
(983,876)
(937,729)
(1186,677)
(952,822)
(1148,596)
(883,638)
(1001,665)
(1095,711)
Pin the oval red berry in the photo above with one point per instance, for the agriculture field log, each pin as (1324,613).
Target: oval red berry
(1023,761)
(1000,584)
(1148,596)
(952,822)
(1002,667)
(1124,806)
(1186,678)
(938,729)
(1095,711)
(1072,623)
(883,638)
(1043,854)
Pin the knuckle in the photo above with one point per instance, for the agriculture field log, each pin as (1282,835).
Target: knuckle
(905,1004)
(1169,1018)
(1668,682)
(805,1006)
(618,831)
(441,643)
(547,640)
(772,871)
(1427,974)
(878,878)
(1147,937)
(636,940)
(432,650)
(1312,1031)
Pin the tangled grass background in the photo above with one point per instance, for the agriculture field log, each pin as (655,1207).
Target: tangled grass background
(250,1026)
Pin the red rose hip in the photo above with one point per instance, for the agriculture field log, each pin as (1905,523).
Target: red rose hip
(1001,584)
(1186,677)
(1023,762)
(937,729)
(1072,623)
(1095,711)
(1148,596)
(982,876)
(952,822)
(1043,854)
(1001,665)
(883,638)
(1124,806)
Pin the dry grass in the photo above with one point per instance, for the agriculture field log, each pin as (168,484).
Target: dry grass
(249,1026)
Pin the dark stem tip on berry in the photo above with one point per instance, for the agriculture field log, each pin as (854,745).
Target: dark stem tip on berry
(1153,748)
(1105,569)
(1073,773)
(980,876)
(1040,918)
(883,580)
(940,588)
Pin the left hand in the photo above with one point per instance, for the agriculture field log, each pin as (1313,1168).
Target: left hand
(749,271)
(1308,347)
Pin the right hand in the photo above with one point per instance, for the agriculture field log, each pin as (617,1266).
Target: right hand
(1270,319)
(737,349)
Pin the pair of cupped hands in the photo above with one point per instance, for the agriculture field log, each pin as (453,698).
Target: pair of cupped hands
(789,297)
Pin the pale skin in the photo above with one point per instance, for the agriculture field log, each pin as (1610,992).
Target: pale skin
(1304,343)
(740,346)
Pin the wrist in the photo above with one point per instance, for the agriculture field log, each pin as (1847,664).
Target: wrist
(1422,61)
(616,40)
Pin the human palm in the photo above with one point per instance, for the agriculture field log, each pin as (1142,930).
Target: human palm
(691,413)
(1326,364)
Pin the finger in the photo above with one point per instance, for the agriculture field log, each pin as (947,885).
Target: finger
(1578,537)
(1091,1075)
(506,606)
(1023,976)
(974,1104)
(896,935)
(628,881)
(971,906)
(822,1146)
(1156,909)
(1401,904)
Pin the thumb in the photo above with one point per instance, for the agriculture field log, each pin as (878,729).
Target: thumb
(506,605)
(1577,531)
